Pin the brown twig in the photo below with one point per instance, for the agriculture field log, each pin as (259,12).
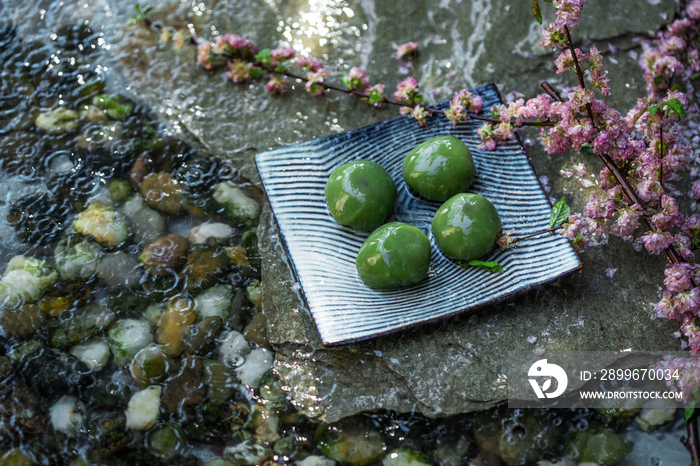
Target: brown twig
(579,72)
(661,159)
(549,230)
(551,91)
(692,442)
(517,240)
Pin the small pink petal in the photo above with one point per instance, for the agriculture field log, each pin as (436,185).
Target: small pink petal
(566,174)
(540,351)
(580,169)
(610,272)
(532,340)
(580,320)
(587,183)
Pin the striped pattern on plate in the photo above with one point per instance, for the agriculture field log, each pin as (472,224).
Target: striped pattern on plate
(323,252)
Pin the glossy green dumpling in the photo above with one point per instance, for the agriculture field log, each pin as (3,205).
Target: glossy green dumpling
(360,195)
(466,227)
(439,168)
(395,255)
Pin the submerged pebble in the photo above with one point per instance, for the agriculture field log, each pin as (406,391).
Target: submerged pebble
(184,387)
(103,224)
(164,256)
(315,460)
(162,192)
(406,457)
(145,224)
(57,121)
(203,266)
(214,302)
(76,257)
(170,332)
(238,204)
(256,364)
(247,453)
(24,280)
(80,324)
(350,441)
(150,365)
(597,444)
(166,441)
(655,413)
(232,348)
(94,353)
(220,382)
(22,320)
(127,337)
(119,269)
(144,408)
(66,415)
(211,234)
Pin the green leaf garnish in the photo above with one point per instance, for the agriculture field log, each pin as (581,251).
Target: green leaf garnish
(264,56)
(536,11)
(559,214)
(695,75)
(264,53)
(142,12)
(493,267)
(586,147)
(676,107)
(688,413)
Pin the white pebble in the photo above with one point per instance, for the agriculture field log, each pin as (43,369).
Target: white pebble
(94,353)
(257,363)
(232,347)
(65,415)
(315,460)
(210,233)
(143,409)
(655,413)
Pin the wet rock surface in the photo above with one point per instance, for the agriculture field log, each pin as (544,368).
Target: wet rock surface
(459,365)
(456,365)
(450,367)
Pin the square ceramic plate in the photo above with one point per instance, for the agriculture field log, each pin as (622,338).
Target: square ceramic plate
(323,252)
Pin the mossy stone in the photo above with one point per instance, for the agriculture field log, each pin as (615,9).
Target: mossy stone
(166,442)
(395,255)
(360,195)
(466,227)
(439,168)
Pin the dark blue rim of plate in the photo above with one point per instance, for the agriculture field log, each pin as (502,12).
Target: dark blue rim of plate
(273,164)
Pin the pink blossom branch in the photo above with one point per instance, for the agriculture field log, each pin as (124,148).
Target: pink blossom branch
(671,252)
(195,40)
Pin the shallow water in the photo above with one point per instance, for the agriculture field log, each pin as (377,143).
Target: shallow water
(461,47)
